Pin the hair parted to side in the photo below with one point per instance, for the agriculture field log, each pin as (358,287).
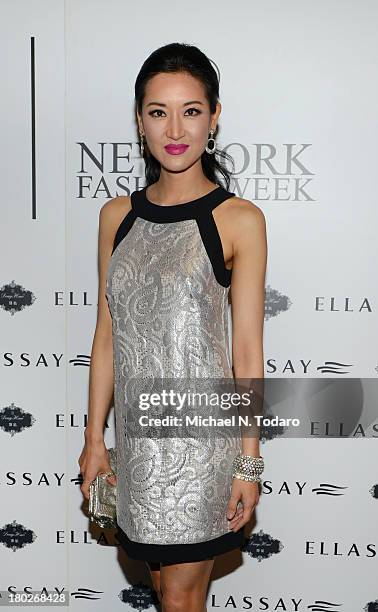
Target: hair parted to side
(183,57)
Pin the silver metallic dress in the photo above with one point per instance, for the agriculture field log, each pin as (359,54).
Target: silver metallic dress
(167,289)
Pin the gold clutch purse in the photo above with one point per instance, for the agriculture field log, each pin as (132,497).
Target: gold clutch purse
(103,496)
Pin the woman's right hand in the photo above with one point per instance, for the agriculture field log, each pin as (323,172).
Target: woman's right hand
(94,460)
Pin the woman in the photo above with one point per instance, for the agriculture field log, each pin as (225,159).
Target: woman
(168,256)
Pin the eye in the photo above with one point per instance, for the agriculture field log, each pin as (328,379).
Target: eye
(157,110)
(197,111)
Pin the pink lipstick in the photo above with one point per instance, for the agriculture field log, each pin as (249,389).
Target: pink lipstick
(173,149)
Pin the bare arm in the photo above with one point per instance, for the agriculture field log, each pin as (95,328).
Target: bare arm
(248,303)
(101,376)
(248,307)
(94,458)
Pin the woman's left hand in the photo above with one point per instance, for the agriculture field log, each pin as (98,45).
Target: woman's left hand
(248,494)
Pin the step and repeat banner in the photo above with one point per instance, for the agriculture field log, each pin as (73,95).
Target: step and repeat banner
(299,93)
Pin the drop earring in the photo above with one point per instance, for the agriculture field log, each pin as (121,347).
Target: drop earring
(211,149)
(141,144)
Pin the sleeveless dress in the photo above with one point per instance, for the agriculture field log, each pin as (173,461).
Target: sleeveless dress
(167,290)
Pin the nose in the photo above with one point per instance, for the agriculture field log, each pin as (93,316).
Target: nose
(175,128)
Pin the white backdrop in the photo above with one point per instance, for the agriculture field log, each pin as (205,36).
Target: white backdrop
(300,97)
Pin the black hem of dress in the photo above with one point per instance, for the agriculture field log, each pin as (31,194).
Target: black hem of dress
(179,553)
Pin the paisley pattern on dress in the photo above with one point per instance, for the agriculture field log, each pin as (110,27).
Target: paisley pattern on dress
(170,319)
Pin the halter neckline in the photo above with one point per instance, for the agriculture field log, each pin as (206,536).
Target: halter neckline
(164,213)
(203,197)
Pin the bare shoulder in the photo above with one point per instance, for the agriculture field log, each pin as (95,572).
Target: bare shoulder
(112,213)
(244,216)
(115,208)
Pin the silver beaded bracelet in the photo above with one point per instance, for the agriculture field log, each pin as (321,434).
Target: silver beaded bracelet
(248,468)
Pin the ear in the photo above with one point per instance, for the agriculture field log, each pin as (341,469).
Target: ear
(215,116)
(140,124)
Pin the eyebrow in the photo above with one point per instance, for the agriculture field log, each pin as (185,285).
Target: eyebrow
(185,104)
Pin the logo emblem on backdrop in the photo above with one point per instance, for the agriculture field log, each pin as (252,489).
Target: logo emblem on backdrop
(83,593)
(14,298)
(261,546)
(271,432)
(15,536)
(139,596)
(335,367)
(275,302)
(81,360)
(13,419)
(326,488)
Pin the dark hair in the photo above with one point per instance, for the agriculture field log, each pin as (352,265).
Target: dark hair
(182,57)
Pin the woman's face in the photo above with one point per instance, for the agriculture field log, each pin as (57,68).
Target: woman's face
(176,112)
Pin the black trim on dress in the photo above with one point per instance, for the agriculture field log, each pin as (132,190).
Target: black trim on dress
(124,228)
(176,553)
(199,209)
